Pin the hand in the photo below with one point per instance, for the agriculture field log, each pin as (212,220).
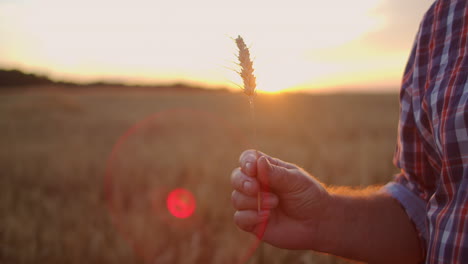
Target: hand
(292,201)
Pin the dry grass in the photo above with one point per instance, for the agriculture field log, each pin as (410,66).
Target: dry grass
(54,148)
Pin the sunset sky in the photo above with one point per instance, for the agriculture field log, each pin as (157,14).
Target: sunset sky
(297,45)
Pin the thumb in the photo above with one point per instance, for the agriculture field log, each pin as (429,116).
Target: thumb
(272,176)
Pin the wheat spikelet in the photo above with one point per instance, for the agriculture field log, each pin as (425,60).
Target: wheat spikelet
(246,67)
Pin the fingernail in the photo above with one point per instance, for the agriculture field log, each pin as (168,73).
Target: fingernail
(249,168)
(248,186)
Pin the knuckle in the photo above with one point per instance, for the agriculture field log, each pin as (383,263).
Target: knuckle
(242,221)
(248,155)
(236,177)
(236,200)
(248,152)
(238,218)
(242,156)
(243,202)
(234,174)
(233,197)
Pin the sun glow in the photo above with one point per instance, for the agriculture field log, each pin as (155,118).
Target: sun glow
(144,41)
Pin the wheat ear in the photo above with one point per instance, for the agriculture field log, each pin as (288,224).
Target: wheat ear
(246,67)
(247,74)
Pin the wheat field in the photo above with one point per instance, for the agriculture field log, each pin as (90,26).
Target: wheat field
(69,195)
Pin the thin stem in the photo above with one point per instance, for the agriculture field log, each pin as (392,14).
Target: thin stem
(254,142)
(254,139)
(252,115)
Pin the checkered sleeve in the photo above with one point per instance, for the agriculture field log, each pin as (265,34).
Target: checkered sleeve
(432,145)
(413,186)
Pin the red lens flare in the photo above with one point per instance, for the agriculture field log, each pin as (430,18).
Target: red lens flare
(150,178)
(181,203)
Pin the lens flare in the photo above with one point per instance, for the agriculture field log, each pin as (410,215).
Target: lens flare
(150,180)
(181,203)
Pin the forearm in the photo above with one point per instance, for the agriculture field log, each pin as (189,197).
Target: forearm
(367,227)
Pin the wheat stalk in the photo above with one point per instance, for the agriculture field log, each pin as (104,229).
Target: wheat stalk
(247,74)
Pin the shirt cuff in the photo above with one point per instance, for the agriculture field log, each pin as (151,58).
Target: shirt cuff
(414,206)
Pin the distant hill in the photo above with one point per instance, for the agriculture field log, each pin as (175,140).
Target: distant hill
(16,79)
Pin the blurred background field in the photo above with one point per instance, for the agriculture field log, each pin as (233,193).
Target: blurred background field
(55,144)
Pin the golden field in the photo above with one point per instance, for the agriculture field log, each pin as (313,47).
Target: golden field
(67,197)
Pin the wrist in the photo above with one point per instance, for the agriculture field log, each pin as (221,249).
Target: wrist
(333,225)
(322,224)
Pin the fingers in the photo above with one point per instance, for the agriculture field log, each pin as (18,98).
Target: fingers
(248,220)
(268,172)
(243,183)
(248,162)
(241,201)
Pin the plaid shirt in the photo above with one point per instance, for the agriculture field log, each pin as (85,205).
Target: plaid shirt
(432,150)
